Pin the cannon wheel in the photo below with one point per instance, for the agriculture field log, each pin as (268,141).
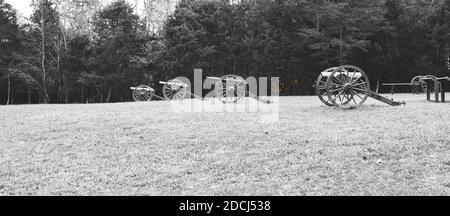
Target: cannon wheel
(418,81)
(174,90)
(348,86)
(143,93)
(321,89)
(231,89)
(417,89)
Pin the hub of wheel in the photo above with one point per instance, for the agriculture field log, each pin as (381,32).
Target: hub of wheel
(348,87)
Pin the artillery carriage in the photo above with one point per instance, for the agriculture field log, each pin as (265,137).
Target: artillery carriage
(228,89)
(172,90)
(347,86)
(426,84)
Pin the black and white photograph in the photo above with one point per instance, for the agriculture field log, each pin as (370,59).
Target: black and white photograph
(224,98)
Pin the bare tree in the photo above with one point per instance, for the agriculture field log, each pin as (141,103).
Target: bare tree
(43,40)
(76,15)
(156,13)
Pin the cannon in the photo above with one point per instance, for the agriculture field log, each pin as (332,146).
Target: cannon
(430,83)
(172,90)
(418,84)
(232,89)
(228,89)
(426,84)
(347,86)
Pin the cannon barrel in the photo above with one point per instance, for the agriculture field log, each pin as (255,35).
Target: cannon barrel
(174,84)
(229,78)
(142,88)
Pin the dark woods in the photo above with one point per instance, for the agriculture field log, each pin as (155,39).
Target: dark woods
(83,52)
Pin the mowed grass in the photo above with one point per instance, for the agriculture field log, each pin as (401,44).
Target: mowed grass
(147,149)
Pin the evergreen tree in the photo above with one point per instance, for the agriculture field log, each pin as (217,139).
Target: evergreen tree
(120,39)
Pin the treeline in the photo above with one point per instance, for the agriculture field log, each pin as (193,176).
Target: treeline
(56,58)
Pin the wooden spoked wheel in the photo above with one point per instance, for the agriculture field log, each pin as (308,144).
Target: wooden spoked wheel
(419,84)
(143,93)
(174,90)
(417,89)
(347,87)
(321,89)
(231,89)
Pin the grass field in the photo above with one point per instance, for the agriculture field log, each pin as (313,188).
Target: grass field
(146,149)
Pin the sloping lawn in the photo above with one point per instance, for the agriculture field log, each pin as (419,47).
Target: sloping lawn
(147,149)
